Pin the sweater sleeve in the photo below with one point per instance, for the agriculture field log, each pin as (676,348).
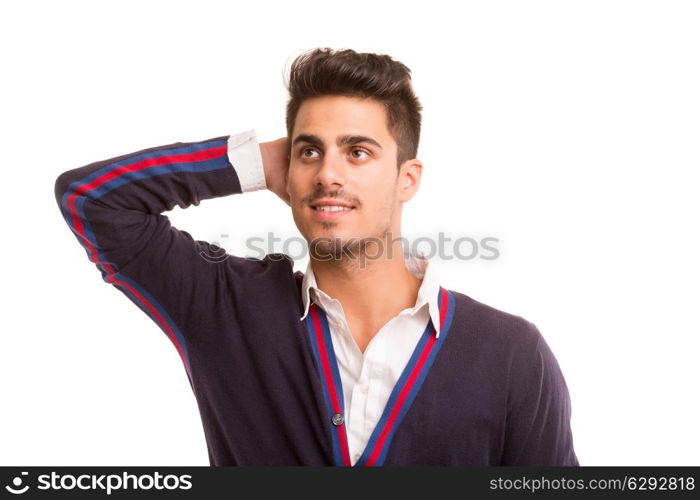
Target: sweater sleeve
(115,209)
(538,430)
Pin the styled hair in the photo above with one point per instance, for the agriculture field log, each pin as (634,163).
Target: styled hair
(323,71)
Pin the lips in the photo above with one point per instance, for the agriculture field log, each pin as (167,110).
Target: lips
(331,212)
(331,208)
(326,202)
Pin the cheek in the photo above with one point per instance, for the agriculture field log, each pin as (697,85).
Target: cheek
(377,203)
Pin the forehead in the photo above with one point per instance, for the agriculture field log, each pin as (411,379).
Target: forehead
(330,116)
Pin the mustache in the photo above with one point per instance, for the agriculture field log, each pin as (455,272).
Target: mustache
(336,196)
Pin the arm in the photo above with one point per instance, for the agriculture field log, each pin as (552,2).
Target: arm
(114,208)
(538,431)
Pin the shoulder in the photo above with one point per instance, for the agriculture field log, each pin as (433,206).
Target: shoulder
(511,345)
(490,325)
(272,265)
(271,275)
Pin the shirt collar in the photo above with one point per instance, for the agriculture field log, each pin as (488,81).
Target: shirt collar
(416,263)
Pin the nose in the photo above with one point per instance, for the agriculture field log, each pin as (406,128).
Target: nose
(331,172)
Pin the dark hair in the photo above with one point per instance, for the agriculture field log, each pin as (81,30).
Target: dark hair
(323,71)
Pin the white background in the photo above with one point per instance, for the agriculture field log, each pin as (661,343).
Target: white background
(568,130)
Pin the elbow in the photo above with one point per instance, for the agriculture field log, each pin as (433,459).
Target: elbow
(63,183)
(61,186)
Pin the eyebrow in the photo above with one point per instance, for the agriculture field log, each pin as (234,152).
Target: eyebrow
(343,140)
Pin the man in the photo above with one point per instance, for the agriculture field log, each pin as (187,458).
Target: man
(364,359)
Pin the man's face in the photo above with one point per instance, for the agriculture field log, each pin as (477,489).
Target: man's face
(342,154)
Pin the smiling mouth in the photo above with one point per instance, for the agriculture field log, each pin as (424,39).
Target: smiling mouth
(332,208)
(326,212)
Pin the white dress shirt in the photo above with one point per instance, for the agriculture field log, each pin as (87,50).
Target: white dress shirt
(367,378)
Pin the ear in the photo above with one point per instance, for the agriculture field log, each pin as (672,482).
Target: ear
(408,179)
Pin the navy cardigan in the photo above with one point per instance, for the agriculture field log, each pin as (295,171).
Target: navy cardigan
(488,391)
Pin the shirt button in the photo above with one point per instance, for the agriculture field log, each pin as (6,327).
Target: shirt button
(338,419)
(357,457)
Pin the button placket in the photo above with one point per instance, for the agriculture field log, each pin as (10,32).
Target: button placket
(358,418)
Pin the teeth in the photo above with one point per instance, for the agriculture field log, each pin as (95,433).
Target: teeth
(331,208)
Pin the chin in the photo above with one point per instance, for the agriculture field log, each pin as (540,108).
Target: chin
(329,242)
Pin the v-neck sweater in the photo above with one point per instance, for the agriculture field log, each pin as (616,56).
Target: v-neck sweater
(487,391)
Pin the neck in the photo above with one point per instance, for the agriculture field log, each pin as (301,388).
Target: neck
(371,289)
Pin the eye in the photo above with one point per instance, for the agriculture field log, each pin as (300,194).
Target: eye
(304,151)
(361,151)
